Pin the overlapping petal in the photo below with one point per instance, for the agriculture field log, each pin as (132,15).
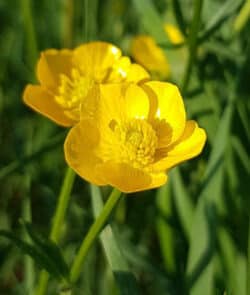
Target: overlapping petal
(95,58)
(189,145)
(51,65)
(43,102)
(80,149)
(137,103)
(170,106)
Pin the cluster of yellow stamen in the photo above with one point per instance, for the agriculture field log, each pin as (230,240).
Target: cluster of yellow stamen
(72,91)
(137,142)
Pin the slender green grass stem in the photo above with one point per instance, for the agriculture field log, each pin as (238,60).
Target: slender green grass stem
(27,216)
(30,32)
(67,23)
(248,260)
(92,235)
(57,222)
(192,44)
(179,16)
(243,17)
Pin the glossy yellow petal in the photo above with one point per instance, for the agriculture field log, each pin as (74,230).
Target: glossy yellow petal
(128,179)
(51,65)
(174,34)
(95,58)
(145,52)
(170,106)
(43,102)
(111,103)
(80,149)
(158,180)
(136,102)
(188,146)
(137,73)
(119,71)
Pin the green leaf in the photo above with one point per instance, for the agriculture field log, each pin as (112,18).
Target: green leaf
(40,257)
(228,258)
(179,16)
(124,278)
(49,248)
(199,266)
(241,152)
(17,164)
(223,13)
(185,208)
(151,20)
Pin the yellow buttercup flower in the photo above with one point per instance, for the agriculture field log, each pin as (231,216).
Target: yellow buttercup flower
(129,136)
(66,77)
(146,52)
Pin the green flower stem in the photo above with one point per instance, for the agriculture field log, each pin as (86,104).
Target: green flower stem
(192,43)
(57,222)
(92,235)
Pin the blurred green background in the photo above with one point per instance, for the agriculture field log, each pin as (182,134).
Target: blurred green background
(190,236)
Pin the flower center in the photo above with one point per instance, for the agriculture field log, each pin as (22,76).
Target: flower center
(72,91)
(137,142)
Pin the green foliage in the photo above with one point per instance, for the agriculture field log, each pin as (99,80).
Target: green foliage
(45,253)
(191,236)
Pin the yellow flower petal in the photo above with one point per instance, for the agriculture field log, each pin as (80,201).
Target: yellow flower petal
(111,102)
(170,106)
(136,102)
(95,58)
(137,73)
(51,65)
(119,70)
(146,52)
(43,102)
(188,146)
(80,151)
(128,179)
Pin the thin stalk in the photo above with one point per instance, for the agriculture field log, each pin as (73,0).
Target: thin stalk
(29,278)
(92,235)
(248,260)
(30,32)
(192,43)
(62,205)
(179,16)
(27,216)
(57,222)
(67,23)
(242,17)
(86,20)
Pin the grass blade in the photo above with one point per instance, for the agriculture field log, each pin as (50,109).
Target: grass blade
(124,278)
(151,20)
(164,230)
(183,202)
(199,268)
